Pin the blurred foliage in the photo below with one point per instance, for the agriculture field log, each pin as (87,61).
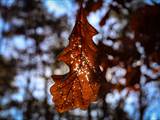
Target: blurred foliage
(135,47)
(7,73)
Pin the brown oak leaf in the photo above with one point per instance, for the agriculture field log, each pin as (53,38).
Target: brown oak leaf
(81,86)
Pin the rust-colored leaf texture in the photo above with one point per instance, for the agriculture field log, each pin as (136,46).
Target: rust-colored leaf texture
(81,86)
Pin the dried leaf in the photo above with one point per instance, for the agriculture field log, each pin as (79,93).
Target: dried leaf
(81,85)
(132,76)
(105,17)
(92,6)
(145,20)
